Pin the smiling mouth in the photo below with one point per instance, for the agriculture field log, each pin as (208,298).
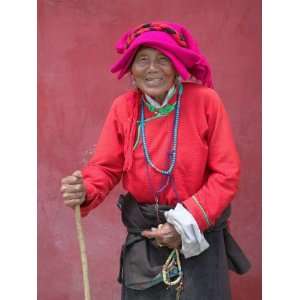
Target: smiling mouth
(153,81)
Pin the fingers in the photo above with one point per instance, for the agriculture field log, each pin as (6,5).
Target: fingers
(164,230)
(73,199)
(158,233)
(76,188)
(70,196)
(72,203)
(77,173)
(152,234)
(71,180)
(165,235)
(73,189)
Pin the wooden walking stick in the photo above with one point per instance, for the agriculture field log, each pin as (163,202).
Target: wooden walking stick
(84,262)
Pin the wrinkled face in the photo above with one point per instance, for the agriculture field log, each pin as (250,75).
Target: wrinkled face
(153,72)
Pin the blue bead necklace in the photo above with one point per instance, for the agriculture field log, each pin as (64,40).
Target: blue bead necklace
(173,151)
(171,155)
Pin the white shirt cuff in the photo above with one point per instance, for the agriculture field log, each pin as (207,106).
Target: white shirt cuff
(193,240)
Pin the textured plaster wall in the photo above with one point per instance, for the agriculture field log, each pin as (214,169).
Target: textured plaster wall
(76,41)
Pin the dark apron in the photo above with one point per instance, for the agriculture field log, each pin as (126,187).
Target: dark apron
(205,276)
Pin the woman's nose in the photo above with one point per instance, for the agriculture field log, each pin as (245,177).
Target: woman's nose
(152,66)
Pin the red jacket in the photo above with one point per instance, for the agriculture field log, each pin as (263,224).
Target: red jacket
(207,167)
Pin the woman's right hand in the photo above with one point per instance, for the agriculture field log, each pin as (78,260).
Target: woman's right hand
(73,189)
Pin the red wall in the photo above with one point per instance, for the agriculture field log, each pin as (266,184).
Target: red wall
(76,41)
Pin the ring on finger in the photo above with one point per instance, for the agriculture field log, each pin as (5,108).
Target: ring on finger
(159,244)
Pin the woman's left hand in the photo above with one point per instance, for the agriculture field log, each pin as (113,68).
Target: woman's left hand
(165,235)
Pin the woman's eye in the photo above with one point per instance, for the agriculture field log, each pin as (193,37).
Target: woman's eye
(164,59)
(142,59)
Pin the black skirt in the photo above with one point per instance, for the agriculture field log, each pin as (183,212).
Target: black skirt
(205,277)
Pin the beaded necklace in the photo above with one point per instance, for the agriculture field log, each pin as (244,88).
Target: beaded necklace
(149,161)
(167,173)
(159,111)
(173,261)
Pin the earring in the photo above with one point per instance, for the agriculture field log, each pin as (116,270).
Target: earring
(177,79)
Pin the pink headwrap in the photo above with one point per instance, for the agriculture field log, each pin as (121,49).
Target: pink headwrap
(174,41)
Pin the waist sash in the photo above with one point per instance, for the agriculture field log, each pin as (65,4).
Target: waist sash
(141,260)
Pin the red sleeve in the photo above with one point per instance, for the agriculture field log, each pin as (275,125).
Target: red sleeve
(104,170)
(223,164)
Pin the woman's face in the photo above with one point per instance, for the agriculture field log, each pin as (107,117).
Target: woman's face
(153,72)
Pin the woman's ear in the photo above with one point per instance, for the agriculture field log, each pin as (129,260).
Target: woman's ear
(133,81)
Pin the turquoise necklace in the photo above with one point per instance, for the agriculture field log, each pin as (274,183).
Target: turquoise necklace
(159,111)
(165,108)
(162,111)
(173,150)
(173,261)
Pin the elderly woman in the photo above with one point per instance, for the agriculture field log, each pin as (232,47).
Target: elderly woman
(170,141)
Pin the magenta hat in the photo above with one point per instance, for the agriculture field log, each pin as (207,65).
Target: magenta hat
(174,41)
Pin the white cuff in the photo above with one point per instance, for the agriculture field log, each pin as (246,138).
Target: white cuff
(193,241)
